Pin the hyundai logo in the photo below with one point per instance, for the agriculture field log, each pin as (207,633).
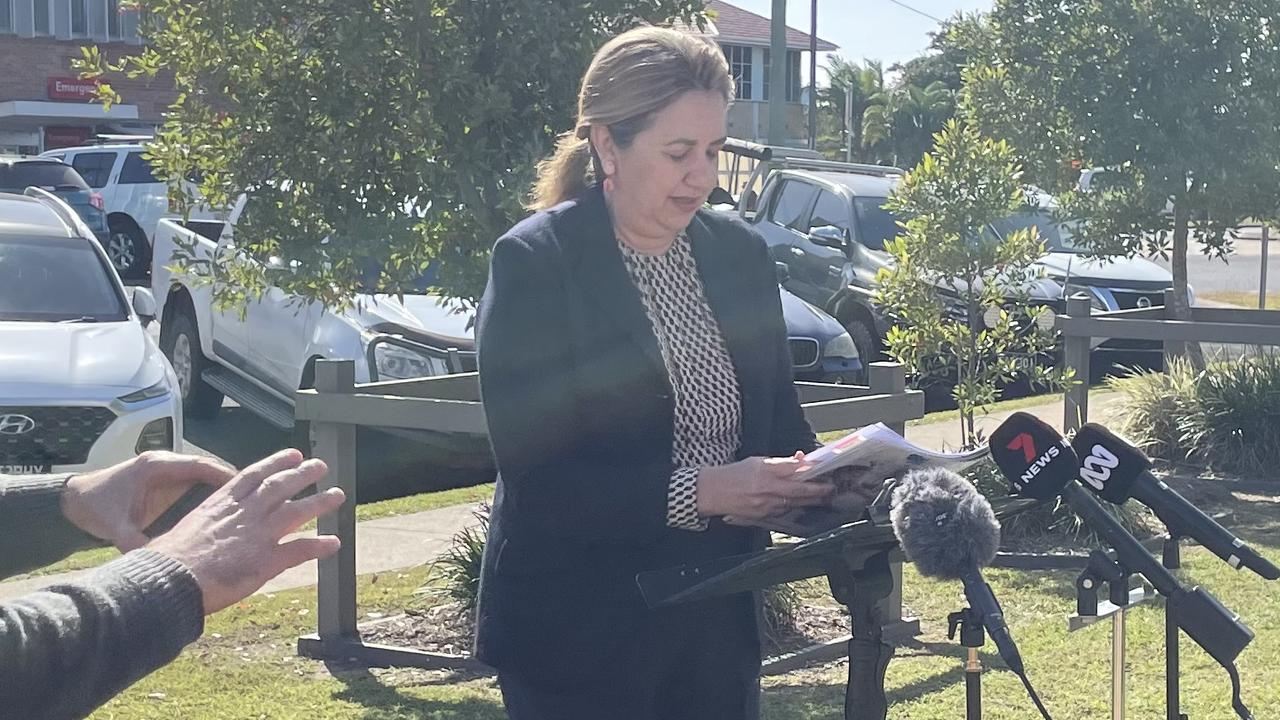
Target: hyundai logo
(1144,302)
(16,424)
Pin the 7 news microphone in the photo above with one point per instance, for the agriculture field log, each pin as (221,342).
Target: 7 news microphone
(949,531)
(1042,465)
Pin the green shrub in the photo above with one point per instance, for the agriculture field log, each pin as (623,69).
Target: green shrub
(782,605)
(1226,417)
(458,570)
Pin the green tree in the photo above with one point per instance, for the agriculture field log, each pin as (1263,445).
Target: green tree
(957,291)
(371,136)
(847,80)
(899,122)
(1178,101)
(952,48)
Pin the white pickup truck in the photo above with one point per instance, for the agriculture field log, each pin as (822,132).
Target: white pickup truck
(261,359)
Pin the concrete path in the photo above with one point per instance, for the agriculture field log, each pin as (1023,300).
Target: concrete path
(382,545)
(396,543)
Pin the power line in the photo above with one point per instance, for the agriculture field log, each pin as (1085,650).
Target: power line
(916,11)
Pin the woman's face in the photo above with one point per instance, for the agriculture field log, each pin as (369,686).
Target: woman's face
(666,173)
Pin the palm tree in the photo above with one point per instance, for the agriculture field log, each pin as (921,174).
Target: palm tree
(847,79)
(899,123)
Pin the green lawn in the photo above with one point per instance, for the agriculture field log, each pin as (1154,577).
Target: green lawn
(384,508)
(245,666)
(1244,298)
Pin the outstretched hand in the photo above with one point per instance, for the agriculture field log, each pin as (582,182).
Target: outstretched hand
(231,542)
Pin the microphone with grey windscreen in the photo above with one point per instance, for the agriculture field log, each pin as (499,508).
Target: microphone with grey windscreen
(949,531)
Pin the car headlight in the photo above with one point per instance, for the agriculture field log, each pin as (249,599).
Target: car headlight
(841,346)
(160,389)
(157,435)
(398,363)
(1096,303)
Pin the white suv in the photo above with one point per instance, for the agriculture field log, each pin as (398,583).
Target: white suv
(134,199)
(82,383)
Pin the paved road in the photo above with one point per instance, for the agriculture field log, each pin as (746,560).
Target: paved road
(1241,273)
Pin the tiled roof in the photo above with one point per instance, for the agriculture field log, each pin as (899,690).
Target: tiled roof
(734,24)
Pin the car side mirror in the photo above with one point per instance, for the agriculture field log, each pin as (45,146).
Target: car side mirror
(144,304)
(828,236)
(720,196)
(784,272)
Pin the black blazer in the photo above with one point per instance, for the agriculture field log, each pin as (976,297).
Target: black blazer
(580,419)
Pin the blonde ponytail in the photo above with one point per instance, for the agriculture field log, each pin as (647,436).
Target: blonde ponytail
(633,76)
(563,175)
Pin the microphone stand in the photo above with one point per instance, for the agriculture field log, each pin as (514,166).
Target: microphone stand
(972,636)
(1172,560)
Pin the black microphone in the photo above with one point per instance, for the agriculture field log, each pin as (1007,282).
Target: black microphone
(948,529)
(1041,464)
(1117,471)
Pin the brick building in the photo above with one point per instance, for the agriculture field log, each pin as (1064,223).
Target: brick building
(42,103)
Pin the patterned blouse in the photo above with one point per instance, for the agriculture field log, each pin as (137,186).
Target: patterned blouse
(704,386)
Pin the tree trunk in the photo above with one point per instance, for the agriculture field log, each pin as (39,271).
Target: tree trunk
(1181,310)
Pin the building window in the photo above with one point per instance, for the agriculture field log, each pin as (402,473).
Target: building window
(79,18)
(6,16)
(739,57)
(40,16)
(113,20)
(793,75)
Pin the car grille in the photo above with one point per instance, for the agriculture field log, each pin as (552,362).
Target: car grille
(60,436)
(804,352)
(1131,299)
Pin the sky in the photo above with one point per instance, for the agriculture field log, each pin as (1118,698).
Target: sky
(875,29)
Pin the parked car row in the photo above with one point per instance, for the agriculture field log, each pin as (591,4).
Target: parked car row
(260,355)
(82,383)
(826,223)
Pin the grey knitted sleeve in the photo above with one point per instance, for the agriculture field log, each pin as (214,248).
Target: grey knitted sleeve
(69,648)
(36,533)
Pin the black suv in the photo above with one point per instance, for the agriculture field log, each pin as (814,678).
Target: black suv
(827,223)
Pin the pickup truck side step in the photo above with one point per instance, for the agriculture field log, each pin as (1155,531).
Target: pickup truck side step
(250,397)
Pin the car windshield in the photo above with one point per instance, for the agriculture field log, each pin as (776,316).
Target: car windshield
(16,177)
(1057,236)
(876,225)
(45,279)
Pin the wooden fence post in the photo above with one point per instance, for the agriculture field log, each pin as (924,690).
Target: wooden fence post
(1075,354)
(888,378)
(1172,348)
(335,444)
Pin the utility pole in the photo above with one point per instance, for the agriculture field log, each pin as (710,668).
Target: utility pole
(778,74)
(813,75)
(848,124)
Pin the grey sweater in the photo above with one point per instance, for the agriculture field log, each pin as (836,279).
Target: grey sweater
(69,648)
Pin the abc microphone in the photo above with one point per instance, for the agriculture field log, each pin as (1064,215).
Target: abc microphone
(948,529)
(1117,471)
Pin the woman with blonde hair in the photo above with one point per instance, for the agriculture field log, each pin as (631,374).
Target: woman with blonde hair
(637,385)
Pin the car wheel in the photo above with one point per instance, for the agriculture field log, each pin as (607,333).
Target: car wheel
(128,250)
(868,349)
(180,342)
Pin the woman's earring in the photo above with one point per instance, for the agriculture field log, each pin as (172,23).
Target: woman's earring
(608,184)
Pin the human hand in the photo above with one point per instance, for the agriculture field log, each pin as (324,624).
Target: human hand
(757,488)
(231,542)
(854,489)
(118,503)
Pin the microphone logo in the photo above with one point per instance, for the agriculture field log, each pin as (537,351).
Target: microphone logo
(1024,442)
(1095,470)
